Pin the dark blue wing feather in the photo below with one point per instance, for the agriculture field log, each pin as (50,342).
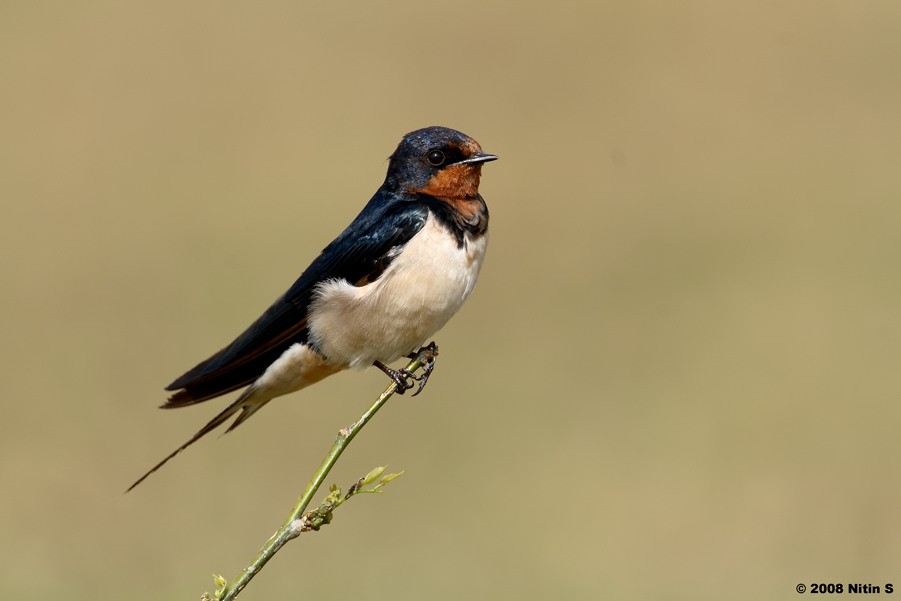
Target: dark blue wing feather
(359,255)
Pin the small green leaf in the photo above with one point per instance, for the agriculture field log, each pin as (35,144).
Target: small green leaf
(332,496)
(373,474)
(221,583)
(385,480)
(389,477)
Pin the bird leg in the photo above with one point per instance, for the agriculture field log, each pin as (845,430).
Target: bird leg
(426,356)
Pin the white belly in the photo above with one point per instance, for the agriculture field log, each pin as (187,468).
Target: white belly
(393,316)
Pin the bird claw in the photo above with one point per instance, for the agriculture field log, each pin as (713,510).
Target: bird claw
(401,377)
(427,356)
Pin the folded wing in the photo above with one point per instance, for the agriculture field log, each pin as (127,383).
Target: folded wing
(359,255)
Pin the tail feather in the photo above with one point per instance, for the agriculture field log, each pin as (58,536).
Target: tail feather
(202,392)
(241,404)
(245,414)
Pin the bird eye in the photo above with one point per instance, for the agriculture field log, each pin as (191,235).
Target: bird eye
(435,158)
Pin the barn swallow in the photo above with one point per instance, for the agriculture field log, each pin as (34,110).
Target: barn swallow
(387,283)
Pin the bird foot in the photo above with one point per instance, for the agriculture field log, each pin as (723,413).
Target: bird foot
(402,377)
(427,356)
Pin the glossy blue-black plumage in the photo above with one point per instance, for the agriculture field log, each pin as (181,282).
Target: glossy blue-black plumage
(358,255)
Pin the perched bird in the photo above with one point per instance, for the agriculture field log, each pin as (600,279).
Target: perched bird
(387,283)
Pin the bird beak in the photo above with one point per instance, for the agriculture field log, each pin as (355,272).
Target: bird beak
(479,158)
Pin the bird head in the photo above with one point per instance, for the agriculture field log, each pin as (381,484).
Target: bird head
(437,161)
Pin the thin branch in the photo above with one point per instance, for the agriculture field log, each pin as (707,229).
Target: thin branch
(296,521)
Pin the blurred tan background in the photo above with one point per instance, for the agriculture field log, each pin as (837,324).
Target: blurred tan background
(677,378)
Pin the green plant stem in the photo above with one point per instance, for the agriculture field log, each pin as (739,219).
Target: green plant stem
(294,523)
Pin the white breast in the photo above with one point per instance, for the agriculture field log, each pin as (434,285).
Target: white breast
(393,316)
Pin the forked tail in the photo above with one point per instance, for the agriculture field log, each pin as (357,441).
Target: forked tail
(243,404)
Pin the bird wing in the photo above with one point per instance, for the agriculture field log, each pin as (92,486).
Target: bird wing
(359,255)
